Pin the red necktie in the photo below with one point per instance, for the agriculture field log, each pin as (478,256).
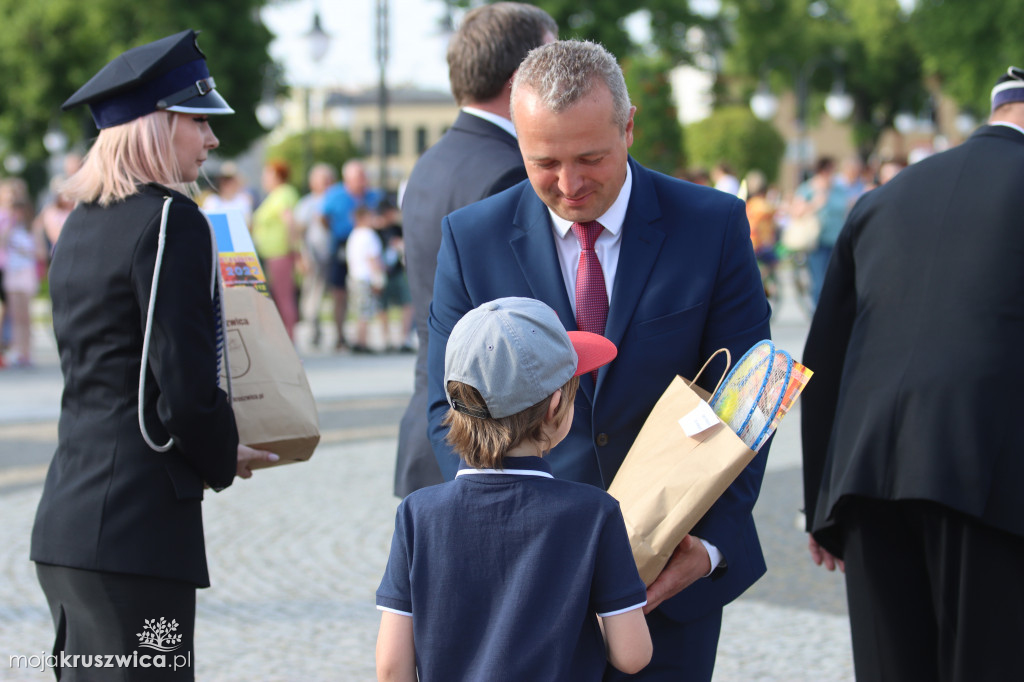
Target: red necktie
(591,295)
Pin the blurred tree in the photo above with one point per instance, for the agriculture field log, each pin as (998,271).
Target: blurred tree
(868,42)
(668,23)
(49,49)
(605,22)
(967,44)
(334,147)
(657,135)
(733,134)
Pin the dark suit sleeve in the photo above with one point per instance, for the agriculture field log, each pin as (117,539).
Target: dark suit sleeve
(183,351)
(451,301)
(825,355)
(738,318)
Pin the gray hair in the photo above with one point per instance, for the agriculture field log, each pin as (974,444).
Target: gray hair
(564,72)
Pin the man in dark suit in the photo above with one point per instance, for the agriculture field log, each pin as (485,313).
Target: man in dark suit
(912,455)
(476,158)
(679,281)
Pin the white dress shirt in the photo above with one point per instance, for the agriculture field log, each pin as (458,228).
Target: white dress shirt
(607,248)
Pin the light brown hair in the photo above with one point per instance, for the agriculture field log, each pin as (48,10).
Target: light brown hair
(482,443)
(126,156)
(489,45)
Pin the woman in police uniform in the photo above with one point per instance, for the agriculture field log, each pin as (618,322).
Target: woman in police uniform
(118,537)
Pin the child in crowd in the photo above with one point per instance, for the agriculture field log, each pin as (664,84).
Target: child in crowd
(366,274)
(24,250)
(396,290)
(506,573)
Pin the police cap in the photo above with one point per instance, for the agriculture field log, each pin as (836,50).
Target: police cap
(169,74)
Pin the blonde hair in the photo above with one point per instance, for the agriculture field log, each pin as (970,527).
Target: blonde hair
(127,155)
(482,443)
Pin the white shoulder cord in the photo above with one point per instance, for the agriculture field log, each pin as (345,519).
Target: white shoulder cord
(216,288)
(149,329)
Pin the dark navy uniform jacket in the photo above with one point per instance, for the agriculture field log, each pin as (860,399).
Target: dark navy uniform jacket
(110,502)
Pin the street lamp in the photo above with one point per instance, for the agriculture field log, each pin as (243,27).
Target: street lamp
(382,89)
(839,104)
(319,42)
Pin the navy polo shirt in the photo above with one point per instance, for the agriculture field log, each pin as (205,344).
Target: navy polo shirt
(504,571)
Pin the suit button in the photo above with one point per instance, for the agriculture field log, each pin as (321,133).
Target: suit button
(602,439)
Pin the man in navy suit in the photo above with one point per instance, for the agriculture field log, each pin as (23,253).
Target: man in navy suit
(476,158)
(681,282)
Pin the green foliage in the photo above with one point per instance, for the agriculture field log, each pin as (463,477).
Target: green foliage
(324,146)
(967,44)
(657,135)
(604,21)
(867,43)
(49,49)
(734,135)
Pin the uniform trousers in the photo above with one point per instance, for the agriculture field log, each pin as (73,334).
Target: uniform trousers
(106,619)
(933,594)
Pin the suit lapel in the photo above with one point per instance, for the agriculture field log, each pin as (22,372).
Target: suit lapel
(641,242)
(534,249)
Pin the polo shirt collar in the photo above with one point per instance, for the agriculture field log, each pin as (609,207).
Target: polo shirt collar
(516,466)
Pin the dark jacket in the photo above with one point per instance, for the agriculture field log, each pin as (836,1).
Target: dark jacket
(916,343)
(472,161)
(686,285)
(110,502)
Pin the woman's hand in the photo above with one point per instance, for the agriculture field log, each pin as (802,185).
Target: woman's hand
(247,457)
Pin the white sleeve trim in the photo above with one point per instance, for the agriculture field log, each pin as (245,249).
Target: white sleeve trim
(615,613)
(400,613)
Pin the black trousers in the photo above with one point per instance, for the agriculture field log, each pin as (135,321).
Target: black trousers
(114,626)
(934,595)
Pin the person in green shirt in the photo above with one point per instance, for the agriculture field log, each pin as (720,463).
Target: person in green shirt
(275,238)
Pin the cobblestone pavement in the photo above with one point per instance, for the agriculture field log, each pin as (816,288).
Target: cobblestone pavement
(296,554)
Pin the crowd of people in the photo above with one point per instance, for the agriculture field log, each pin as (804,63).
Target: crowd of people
(826,196)
(342,236)
(568,286)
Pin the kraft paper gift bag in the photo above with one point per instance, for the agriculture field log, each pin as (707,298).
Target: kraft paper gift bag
(669,479)
(273,404)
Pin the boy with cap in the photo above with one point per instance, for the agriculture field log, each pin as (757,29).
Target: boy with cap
(499,573)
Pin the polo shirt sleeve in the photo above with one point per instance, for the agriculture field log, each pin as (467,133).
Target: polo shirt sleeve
(617,587)
(395,593)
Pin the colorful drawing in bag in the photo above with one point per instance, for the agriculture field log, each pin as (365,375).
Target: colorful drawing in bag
(239,265)
(758,392)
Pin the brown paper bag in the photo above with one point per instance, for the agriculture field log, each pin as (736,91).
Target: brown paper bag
(273,404)
(669,480)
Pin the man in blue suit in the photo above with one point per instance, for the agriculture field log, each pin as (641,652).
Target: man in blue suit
(477,157)
(681,282)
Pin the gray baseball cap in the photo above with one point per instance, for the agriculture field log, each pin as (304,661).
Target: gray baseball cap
(516,352)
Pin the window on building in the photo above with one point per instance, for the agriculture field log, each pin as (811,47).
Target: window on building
(421,140)
(391,142)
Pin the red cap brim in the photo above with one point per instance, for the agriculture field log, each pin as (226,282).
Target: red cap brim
(593,351)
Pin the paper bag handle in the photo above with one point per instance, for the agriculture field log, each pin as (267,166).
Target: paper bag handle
(728,363)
